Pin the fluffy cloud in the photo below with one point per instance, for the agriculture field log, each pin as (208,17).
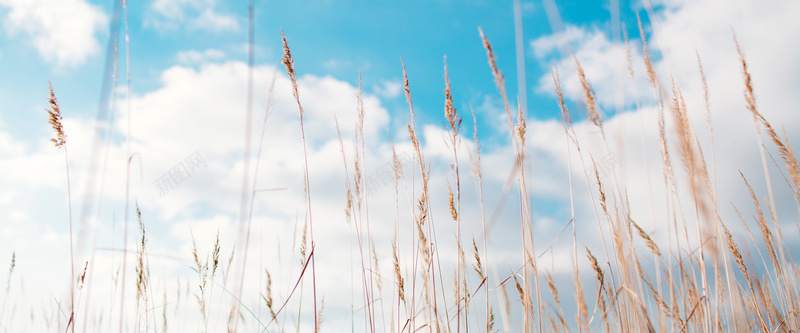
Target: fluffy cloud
(191,57)
(63,32)
(196,14)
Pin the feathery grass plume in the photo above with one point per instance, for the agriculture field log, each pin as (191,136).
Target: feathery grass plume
(705,92)
(55,119)
(521,127)
(551,284)
(599,275)
(752,280)
(698,176)
(348,193)
(490,324)
(766,234)
(499,81)
(784,149)
(628,53)
(267,297)
(451,204)
(288,62)
(377,268)
(591,106)
(583,312)
(647,240)
(453,119)
(82,278)
(478,267)
(141,271)
(303,247)
(651,73)
(398,276)
(519,289)
(734,249)
(215,256)
(565,117)
(202,274)
(319,318)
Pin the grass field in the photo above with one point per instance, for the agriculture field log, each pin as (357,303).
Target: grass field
(599,222)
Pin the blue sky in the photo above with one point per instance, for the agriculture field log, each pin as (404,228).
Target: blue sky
(328,38)
(187,97)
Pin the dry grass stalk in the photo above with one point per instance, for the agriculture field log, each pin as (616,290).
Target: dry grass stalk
(377,268)
(477,267)
(785,149)
(268,296)
(450,114)
(628,53)
(303,245)
(451,203)
(591,106)
(201,269)
(583,312)
(398,276)
(651,73)
(766,234)
(521,127)
(552,286)
(55,119)
(318,318)
(650,243)
(288,62)
(142,273)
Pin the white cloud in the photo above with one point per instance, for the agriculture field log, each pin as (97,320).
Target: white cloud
(603,61)
(196,14)
(388,89)
(63,32)
(191,57)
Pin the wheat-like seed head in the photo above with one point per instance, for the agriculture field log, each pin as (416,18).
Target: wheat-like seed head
(303,246)
(498,76)
(628,53)
(377,268)
(451,203)
(650,243)
(651,74)
(552,286)
(591,106)
(55,119)
(453,119)
(521,127)
(215,256)
(398,277)
(565,117)
(478,267)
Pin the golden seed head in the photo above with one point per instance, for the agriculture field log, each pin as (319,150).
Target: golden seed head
(55,119)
